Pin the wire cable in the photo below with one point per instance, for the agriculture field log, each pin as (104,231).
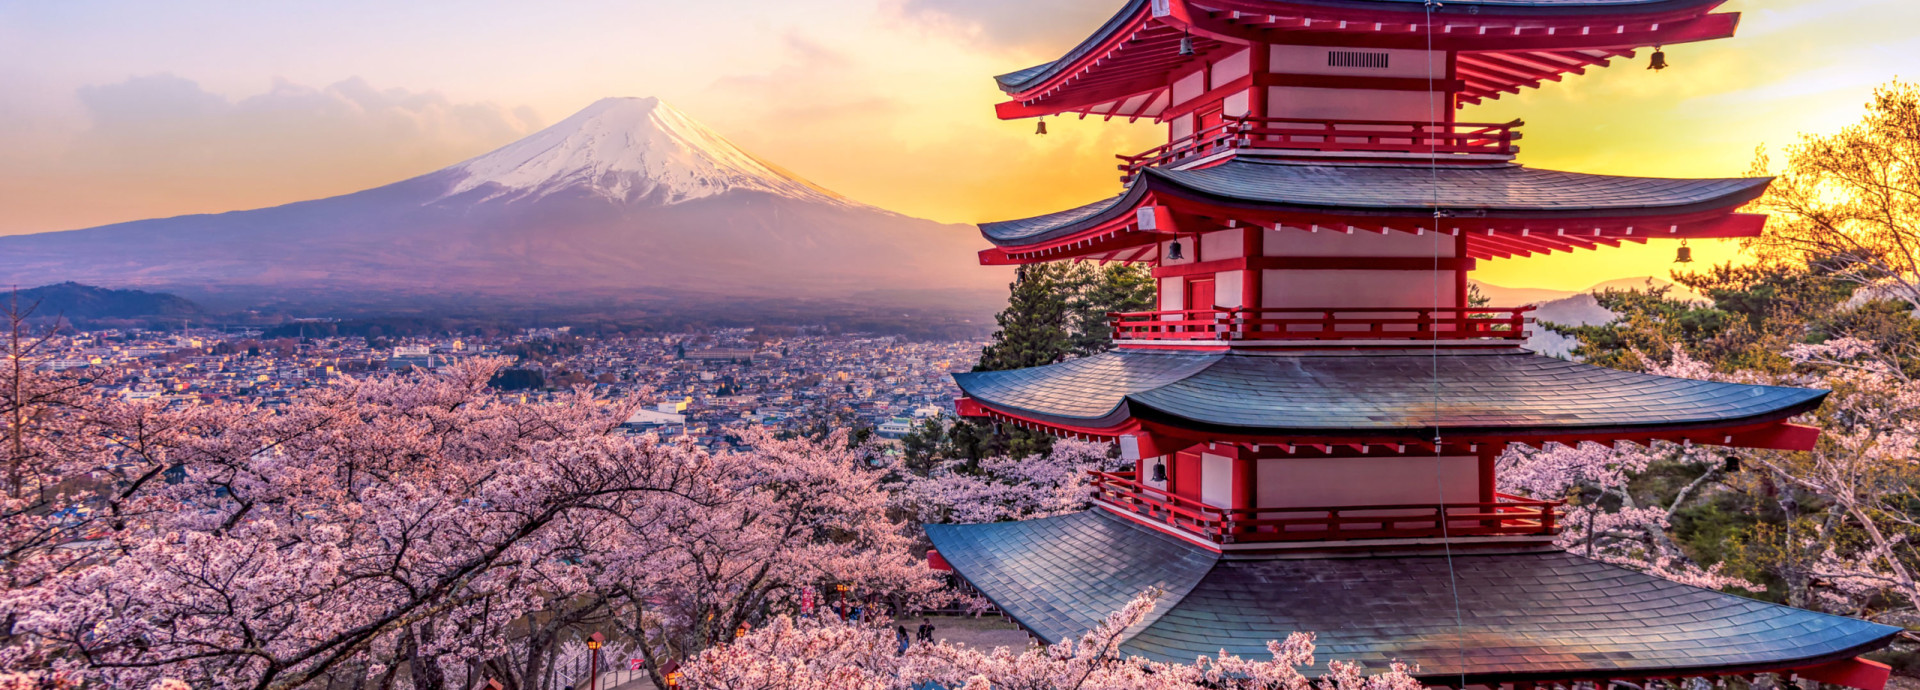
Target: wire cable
(1439,462)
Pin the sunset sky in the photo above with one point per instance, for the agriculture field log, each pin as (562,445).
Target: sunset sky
(120,110)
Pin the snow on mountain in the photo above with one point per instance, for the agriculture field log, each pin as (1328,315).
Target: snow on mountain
(628,149)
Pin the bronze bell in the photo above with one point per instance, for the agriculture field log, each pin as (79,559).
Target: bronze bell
(1659,60)
(1186,45)
(1043,127)
(1160,472)
(1173,251)
(1685,256)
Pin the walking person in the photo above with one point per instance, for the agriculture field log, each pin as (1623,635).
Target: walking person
(900,635)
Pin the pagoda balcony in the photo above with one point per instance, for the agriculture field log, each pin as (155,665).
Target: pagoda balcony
(1506,516)
(1332,138)
(1277,326)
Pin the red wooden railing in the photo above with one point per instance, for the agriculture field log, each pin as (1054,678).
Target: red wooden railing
(1240,324)
(1341,136)
(1505,516)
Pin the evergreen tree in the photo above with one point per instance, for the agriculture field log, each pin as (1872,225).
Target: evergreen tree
(1104,290)
(1034,328)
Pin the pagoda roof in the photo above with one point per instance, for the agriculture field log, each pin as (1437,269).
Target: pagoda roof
(1478,191)
(1506,393)
(1492,617)
(1124,67)
(1019,80)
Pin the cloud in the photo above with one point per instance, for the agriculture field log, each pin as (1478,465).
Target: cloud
(164,122)
(163,145)
(1045,28)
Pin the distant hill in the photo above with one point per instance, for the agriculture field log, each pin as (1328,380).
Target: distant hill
(76,301)
(1508,296)
(1569,308)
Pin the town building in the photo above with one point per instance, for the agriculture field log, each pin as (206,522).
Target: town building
(1313,413)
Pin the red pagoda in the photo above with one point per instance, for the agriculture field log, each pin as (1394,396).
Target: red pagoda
(1314,411)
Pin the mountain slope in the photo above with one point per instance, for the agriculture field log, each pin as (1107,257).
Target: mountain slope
(629,196)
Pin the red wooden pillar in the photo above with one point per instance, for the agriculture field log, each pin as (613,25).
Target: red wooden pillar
(1259,65)
(1252,245)
(1461,266)
(1489,452)
(1246,481)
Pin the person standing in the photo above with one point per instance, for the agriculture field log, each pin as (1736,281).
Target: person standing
(900,636)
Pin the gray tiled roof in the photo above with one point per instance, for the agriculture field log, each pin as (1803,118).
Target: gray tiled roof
(1533,615)
(1495,191)
(1372,391)
(1014,82)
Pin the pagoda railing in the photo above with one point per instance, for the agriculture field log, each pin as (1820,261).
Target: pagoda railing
(1385,323)
(1506,516)
(1389,137)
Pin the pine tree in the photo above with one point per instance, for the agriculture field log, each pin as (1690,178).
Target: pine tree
(1035,326)
(1104,290)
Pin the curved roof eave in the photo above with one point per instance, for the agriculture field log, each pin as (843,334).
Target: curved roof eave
(1508,393)
(1391,190)
(1019,81)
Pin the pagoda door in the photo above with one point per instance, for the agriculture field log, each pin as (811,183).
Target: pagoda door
(1207,121)
(1186,476)
(1200,296)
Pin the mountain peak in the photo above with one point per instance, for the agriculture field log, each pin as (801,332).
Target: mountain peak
(627,150)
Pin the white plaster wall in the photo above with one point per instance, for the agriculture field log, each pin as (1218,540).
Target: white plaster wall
(1354,104)
(1313,60)
(1233,67)
(1303,242)
(1282,289)
(1236,103)
(1180,128)
(1220,244)
(1171,293)
(1189,87)
(1226,289)
(1216,480)
(1388,480)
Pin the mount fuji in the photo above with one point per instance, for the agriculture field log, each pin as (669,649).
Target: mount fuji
(627,196)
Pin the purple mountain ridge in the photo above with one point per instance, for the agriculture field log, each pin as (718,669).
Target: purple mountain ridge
(627,195)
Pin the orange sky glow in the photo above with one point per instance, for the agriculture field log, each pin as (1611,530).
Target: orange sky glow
(120,110)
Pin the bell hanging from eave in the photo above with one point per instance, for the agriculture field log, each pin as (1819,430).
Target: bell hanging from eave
(1173,251)
(1685,255)
(1043,127)
(1659,60)
(1186,45)
(1160,473)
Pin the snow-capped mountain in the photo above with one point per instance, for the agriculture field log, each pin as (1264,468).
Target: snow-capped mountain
(625,197)
(628,149)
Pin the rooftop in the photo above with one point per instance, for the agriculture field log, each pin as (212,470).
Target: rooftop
(1530,616)
(1410,391)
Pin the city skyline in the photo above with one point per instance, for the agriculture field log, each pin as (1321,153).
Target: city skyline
(123,112)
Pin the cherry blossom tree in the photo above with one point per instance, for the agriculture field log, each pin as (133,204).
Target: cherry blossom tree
(796,513)
(1862,470)
(368,526)
(1005,488)
(833,655)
